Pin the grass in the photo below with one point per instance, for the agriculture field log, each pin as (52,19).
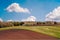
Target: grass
(49,30)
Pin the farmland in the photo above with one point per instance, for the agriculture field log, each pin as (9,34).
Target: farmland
(49,30)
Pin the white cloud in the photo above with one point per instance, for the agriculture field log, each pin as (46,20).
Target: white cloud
(15,7)
(1,20)
(9,20)
(13,20)
(54,15)
(17,20)
(31,18)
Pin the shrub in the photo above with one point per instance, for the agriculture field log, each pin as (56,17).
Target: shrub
(7,24)
(21,23)
(16,23)
(1,24)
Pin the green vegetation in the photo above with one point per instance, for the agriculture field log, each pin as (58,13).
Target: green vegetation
(49,30)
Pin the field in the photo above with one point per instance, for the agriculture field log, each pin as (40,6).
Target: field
(49,30)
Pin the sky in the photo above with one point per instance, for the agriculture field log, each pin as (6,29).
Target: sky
(29,10)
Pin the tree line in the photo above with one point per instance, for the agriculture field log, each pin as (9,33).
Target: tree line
(10,24)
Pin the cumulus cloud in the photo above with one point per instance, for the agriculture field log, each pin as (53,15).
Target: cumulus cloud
(54,15)
(15,7)
(31,18)
(1,20)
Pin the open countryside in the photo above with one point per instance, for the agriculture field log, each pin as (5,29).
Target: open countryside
(29,19)
(52,30)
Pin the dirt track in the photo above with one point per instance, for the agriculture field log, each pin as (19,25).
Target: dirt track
(23,35)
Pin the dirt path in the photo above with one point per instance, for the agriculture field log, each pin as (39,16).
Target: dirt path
(23,35)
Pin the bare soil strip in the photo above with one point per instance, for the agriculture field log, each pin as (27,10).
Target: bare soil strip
(23,35)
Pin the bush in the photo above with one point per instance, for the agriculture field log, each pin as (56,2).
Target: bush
(7,24)
(1,24)
(16,23)
(21,23)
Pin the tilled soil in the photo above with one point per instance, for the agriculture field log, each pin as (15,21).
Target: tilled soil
(24,35)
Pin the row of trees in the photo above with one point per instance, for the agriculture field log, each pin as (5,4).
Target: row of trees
(48,23)
(10,24)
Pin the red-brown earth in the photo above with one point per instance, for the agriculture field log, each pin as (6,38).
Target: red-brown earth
(24,35)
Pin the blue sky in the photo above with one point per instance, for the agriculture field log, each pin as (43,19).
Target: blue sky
(38,8)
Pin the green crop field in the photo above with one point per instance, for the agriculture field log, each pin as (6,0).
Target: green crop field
(49,30)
